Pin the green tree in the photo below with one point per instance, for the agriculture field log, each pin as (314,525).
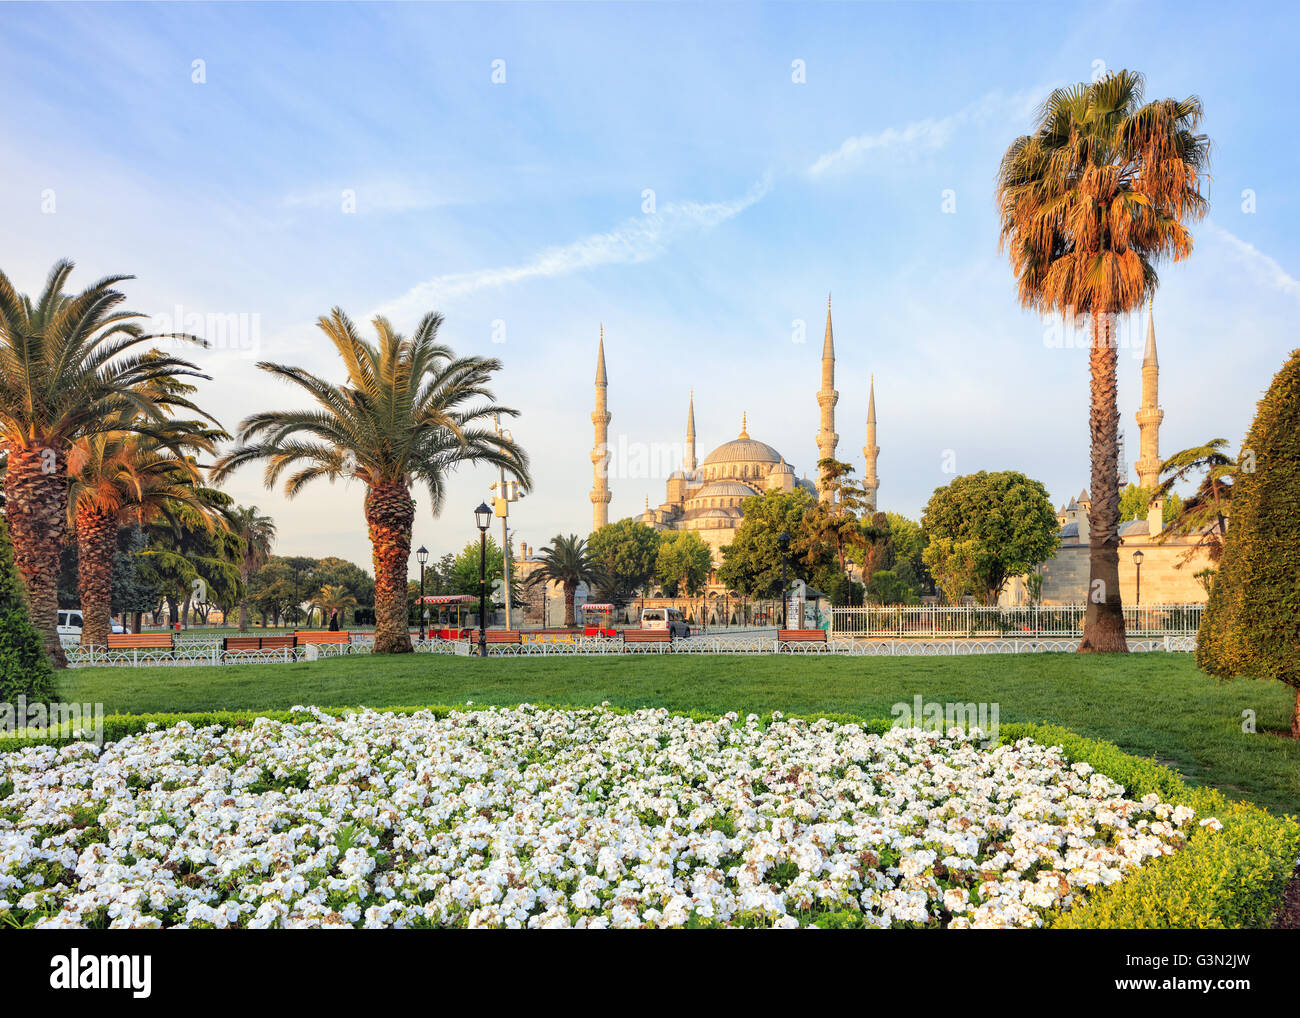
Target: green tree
(410,411)
(626,553)
(683,563)
(751,564)
(984,528)
(24,667)
(1089,203)
(1251,625)
(566,561)
(463,577)
(837,523)
(70,367)
(1204,514)
(1134,503)
(908,541)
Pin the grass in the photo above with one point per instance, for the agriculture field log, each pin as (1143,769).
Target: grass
(1153,705)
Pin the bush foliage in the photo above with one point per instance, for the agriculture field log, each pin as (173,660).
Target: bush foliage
(1251,625)
(24,668)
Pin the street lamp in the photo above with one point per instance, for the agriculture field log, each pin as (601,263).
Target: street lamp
(1137,561)
(422,556)
(783,542)
(483,517)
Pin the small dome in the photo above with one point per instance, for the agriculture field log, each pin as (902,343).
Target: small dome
(783,468)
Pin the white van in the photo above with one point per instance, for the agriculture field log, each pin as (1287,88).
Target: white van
(70,623)
(665,618)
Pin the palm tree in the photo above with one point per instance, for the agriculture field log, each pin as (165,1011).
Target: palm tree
(567,562)
(258,533)
(118,477)
(70,367)
(333,597)
(410,410)
(1089,203)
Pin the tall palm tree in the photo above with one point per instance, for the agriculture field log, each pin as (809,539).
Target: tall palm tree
(1089,203)
(410,410)
(119,477)
(567,562)
(258,533)
(71,365)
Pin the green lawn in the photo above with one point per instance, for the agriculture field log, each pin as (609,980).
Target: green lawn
(1151,704)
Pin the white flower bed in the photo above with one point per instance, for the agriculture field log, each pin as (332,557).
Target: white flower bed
(528,817)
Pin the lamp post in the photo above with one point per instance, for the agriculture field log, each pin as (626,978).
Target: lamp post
(783,542)
(483,517)
(1137,562)
(422,556)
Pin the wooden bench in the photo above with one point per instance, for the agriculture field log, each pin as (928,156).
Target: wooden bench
(246,644)
(139,641)
(801,636)
(323,636)
(502,636)
(647,636)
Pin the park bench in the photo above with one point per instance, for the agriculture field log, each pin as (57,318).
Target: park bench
(248,644)
(139,641)
(503,636)
(323,636)
(800,636)
(136,642)
(633,636)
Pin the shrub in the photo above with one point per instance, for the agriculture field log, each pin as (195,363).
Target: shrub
(24,668)
(1251,625)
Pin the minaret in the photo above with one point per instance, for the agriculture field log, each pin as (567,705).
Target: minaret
(1149,415)
(600,417)
(871,451)
(688,464)
(827,397)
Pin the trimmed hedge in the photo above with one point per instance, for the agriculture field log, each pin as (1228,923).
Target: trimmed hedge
(1233,878)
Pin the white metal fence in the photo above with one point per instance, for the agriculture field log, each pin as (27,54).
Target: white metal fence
(930,622)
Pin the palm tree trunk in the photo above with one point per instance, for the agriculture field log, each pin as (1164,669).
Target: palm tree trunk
(1103,625)
(36,505)
(96,539)
(390,511)
(570,590)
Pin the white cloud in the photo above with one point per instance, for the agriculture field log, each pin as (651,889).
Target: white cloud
(929,134)
(634,240)
(1260,266)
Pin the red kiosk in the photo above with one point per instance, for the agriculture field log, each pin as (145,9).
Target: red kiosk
(449,620)
(602,612)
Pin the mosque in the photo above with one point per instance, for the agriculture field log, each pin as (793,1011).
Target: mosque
(706,496)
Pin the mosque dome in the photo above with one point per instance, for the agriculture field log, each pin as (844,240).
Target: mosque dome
(742,449)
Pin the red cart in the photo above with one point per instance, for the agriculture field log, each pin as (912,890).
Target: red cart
(600,614)
(450,615)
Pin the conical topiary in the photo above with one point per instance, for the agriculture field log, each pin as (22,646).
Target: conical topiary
(24,668)
(1251,625)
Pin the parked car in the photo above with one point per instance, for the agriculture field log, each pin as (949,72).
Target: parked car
(70,623)
(665,618)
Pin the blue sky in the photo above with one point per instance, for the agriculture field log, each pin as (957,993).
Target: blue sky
(517,209)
